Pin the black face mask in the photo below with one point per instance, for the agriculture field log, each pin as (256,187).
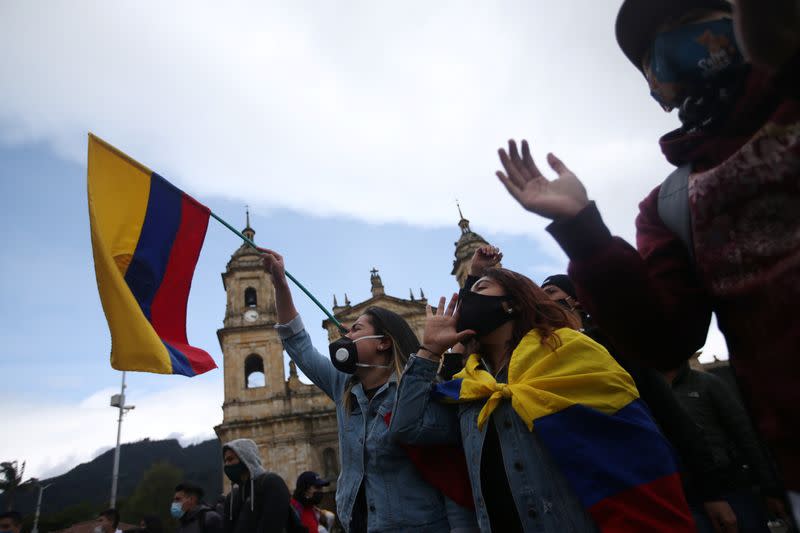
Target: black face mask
(315,499)
(344,354)
(234,472)
(482,314)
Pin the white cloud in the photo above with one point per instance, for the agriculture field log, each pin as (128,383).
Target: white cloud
(384,112)
(53,438)
(374,110)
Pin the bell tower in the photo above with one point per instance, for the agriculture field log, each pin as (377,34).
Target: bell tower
(252,351)
(294,424)
(465,248)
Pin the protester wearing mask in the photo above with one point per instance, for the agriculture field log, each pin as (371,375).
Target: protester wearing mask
(307,496)
(259,500)
(704,482)
(379,487)
(107,522)
(721,233)
(484,258)
(192,513)
(10,522)
(551,425)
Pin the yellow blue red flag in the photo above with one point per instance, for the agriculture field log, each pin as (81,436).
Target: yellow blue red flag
(146,239)
(585,408)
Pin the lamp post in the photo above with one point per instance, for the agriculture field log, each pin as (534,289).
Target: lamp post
(38,507)
(118,401)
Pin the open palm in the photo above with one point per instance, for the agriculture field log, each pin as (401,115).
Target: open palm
(562,197)
(440,327)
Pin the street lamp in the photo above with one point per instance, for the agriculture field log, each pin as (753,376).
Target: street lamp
(118,401)
(38,507)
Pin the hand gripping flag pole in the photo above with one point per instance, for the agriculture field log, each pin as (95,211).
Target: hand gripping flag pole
(244,237)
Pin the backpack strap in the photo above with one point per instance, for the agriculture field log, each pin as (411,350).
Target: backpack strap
(673,206)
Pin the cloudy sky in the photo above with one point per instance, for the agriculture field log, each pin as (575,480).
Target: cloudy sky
(350,128)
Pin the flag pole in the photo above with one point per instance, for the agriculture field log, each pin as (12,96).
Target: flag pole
(242,236)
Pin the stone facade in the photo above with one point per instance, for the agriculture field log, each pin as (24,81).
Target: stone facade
(294,424)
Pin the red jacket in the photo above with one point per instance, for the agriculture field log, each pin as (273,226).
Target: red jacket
(308,516)
(656,302)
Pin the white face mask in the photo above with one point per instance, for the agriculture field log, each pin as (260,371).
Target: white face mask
(98,529)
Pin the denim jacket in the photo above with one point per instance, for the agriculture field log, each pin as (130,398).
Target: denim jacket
(543,499)
(398,499)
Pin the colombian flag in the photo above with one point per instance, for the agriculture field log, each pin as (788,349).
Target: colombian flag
(586,410)
(146,238)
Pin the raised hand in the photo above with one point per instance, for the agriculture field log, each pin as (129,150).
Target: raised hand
(560,198)
(484,258)
(273,263)
(440,328)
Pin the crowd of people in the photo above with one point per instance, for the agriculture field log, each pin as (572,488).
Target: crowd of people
(570,406)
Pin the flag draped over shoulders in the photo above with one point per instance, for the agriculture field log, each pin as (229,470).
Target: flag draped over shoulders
(146,239)
(586,410)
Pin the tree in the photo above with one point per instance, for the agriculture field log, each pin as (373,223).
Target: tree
(11,475)
(153,495)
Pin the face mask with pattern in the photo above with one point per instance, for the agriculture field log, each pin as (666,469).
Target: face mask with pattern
(695,67)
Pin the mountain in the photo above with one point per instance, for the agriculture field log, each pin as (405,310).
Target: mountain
(91,482)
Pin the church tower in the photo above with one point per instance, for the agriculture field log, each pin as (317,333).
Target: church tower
(294,424)
(412,309)
(465,248)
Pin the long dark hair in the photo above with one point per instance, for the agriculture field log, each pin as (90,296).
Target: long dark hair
(533,308)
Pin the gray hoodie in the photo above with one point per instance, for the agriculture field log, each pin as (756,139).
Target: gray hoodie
(270,512)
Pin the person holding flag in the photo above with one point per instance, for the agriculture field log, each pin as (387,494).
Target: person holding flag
(379,487)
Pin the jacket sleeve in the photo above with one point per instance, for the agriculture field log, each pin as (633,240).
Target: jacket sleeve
(416,418)
(313,364)
(680,430)
(649,302)
(740,430)
(275,506)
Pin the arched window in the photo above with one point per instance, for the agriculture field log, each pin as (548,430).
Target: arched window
(254,371)
(330,465)
(250,298)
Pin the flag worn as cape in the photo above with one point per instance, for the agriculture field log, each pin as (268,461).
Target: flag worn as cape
(586,410)
(146,239)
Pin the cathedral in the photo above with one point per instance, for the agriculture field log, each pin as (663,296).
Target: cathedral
(293,423)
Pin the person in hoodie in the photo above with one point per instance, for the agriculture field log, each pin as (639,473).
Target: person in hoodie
(379,487)
(721,234)
(259,500)
(192,513)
